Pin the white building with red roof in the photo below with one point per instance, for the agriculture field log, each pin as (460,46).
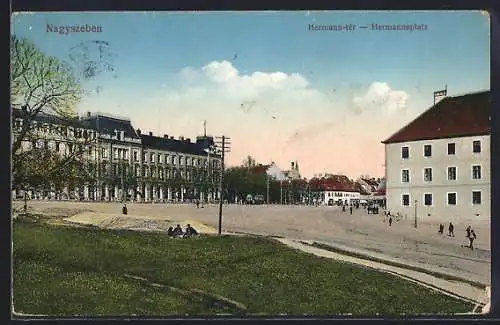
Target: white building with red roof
(438,166)
(335,189)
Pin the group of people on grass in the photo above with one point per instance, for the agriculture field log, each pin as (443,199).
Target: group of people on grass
(178,233)
(174,232)
(469,233)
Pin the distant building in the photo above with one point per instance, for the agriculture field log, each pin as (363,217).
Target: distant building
(368,186)
(293,173)
(335,189)
(440,161)
(364,191)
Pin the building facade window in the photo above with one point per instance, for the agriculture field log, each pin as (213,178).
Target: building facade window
(428,199)
(452,173)
(405,152)
(427,150)
(144,157)
(405,200)
(152,157)
(428,174)
(158,158)
(476,172)
(476,197)
(136,157)
(451,198)
(476,146)
(405,176)
(451,148)
(166,159)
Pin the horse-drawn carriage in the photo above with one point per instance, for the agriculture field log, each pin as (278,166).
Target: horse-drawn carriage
(373,209)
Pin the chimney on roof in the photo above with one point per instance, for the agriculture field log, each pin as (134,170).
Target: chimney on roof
(88,114)
(150,134)
(440,94)
(139,131)
(181,138)
(171,138)
(165,136)
(188,140)
(293,165)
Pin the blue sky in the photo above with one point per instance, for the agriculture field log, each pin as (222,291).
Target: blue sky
(322,74)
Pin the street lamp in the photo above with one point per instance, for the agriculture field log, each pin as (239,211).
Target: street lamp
(415,225)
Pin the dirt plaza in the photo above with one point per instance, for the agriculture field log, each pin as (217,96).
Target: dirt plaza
(358,232)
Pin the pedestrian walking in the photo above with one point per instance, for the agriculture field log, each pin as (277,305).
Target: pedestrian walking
(450,230)
(343,208)
(441,229)
(467,232)
(390,221)
(472,237)
(124,209)
(350,209)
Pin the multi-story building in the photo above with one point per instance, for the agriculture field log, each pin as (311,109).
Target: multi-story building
(128,163)
(438,165)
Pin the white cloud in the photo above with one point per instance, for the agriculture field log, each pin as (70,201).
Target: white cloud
(273,116)
(222,71)
(382,98)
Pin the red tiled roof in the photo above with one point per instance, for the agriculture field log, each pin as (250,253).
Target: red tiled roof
(370,182)
(379,192)
(359,188)
(451,117)
(339,183)
(260,169)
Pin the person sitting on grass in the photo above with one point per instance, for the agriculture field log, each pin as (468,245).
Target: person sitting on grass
(170,231)
(178,231)
(190,231)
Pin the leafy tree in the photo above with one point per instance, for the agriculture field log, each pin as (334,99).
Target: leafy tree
(45,84)
(249,162)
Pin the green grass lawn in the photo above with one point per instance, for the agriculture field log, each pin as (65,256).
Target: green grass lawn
(73,271)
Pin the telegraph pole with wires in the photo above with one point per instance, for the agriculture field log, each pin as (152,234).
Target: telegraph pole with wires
(223,145)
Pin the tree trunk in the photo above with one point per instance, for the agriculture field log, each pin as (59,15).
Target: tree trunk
(25,200)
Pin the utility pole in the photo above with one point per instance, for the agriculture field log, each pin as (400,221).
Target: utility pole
(224,146)
(415,214)
(281,192)
(267,188)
